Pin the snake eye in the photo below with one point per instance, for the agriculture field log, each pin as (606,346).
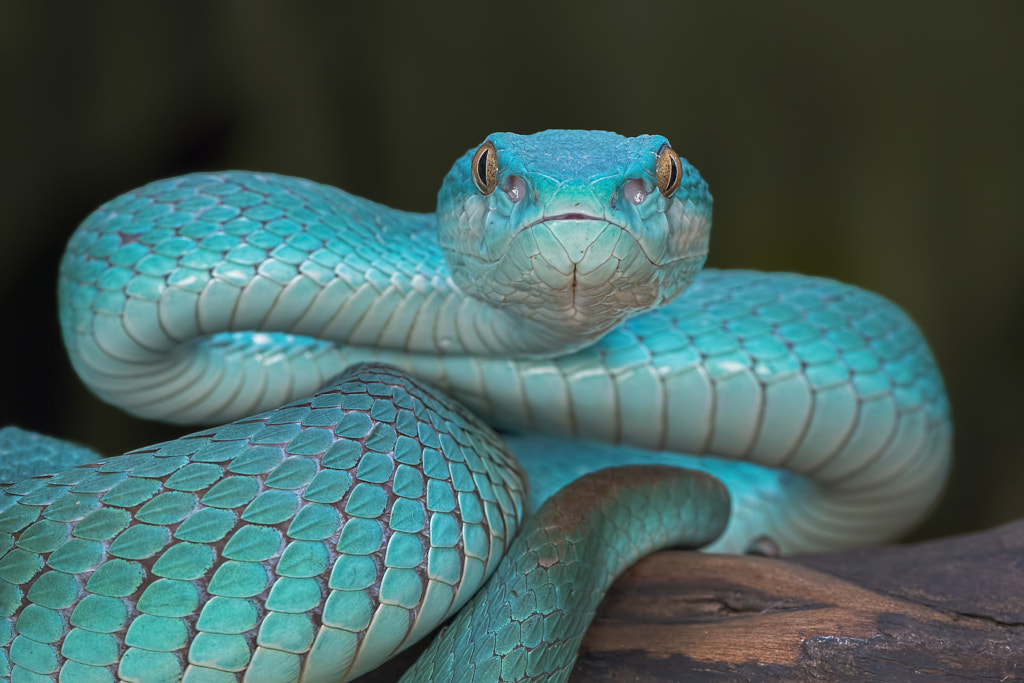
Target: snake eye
(485,168)
(669,171)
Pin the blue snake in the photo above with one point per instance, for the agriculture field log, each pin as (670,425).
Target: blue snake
(359,360)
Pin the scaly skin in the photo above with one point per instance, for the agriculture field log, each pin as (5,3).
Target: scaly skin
(25,454)
(321,537)
(528,622)
(527,297)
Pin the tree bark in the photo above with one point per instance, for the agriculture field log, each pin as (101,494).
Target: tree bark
(951,609)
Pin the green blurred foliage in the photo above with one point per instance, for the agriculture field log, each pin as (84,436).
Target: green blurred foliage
(878,143)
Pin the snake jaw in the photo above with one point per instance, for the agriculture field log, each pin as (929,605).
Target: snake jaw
(575,278)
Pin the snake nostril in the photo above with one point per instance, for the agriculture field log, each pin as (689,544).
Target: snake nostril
(515,188)
(634,190)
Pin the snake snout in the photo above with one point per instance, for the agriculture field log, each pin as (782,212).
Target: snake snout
(572,238)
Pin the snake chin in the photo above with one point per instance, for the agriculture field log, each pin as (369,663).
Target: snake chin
(573,275)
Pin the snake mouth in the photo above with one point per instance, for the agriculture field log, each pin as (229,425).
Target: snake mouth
(567,217)
(575,216)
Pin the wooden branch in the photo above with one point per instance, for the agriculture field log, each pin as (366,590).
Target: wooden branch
(942,610)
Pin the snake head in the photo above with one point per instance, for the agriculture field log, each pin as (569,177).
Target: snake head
(574,230)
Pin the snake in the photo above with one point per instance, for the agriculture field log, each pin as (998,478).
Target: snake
(488,411)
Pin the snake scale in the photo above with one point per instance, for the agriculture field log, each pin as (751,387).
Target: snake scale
(355,496)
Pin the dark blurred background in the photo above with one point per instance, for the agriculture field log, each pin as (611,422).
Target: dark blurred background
(877,143)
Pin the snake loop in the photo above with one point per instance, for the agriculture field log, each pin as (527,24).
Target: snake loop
(557,294)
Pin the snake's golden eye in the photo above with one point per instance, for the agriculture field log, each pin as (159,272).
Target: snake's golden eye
(669,171)
(485,168)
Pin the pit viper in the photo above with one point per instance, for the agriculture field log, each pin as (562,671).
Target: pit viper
(360,358)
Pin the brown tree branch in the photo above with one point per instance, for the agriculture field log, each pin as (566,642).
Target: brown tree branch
(943,610)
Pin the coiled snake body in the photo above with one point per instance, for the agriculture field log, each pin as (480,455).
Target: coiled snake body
(334,522)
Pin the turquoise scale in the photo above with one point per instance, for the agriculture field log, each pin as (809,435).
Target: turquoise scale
(528,622)
(303,539)
(23,453)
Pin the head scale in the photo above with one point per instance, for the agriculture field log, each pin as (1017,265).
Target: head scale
(574,229)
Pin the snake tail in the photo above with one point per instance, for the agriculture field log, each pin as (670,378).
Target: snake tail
(310,543)
(527,623)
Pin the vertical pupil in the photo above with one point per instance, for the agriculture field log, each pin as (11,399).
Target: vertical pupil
(675,173)
(481,167)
